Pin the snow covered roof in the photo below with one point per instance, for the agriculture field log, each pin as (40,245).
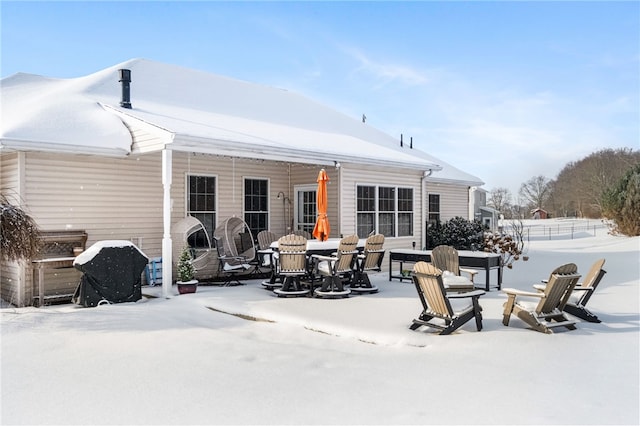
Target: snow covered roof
(191,110)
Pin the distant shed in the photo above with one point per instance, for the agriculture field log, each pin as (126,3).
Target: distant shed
(540,214)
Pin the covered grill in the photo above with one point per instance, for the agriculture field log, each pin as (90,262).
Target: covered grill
(112,273)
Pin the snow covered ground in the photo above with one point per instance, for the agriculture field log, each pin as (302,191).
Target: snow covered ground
(186,360)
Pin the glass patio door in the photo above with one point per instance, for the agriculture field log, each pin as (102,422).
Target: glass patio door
(305,207)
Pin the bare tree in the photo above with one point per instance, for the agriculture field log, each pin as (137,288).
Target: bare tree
(536,191)
(580,185)
(499,199)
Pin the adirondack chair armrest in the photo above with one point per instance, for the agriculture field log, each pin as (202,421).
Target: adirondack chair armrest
(581,288)
(322,257)
(471,272)
(540,287)
(516,292)
(474,293)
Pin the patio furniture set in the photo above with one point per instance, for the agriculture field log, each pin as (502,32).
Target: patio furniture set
(559,294)
(467,259)
(332,268)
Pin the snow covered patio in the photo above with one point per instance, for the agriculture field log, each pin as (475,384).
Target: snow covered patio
(240,355)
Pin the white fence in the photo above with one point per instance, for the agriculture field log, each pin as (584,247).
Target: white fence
(558,228)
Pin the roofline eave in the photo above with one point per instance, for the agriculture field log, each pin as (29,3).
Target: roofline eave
(247,150)
(12,144)
(455,181)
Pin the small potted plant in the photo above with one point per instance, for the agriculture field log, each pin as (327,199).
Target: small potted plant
(186,281)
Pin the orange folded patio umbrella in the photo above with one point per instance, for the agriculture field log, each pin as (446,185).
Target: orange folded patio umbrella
(322,229)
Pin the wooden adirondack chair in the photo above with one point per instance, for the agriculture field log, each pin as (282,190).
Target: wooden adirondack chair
(583,292)
(334,268)
(437,310)
(551,302)
(369,260)
(291,264)
(446,258)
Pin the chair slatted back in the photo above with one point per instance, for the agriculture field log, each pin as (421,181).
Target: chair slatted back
(557,292)
(265,238)
(305,234)
(569,268)
(428,281)
(373,252)
(346,250)
(292,254)
(445,258)
(591,280)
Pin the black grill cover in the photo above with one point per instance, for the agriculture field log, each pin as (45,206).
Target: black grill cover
(112,272)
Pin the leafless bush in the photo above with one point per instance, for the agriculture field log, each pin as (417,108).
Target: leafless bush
(19,233)
(511,247)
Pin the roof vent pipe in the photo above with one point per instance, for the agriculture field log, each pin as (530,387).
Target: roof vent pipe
(401,139)
(411,143)
(125,79)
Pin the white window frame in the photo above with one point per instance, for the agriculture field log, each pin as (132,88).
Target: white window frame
(376,212)
(268,211)
(428,206)
(187,194)
(297,189)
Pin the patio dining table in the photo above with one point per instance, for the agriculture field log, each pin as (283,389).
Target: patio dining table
(324,248)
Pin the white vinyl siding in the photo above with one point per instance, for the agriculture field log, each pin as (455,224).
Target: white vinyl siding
(11,184)
(454,200)
(122,198)
(352,175)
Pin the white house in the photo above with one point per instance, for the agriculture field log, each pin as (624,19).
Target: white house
(128,160)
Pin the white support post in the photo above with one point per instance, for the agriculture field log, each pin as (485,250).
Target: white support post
(167,245)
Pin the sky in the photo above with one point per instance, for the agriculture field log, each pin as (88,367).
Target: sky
(503,90)
(309,361)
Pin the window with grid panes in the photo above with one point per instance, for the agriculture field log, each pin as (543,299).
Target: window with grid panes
(365,210)
(434,209)
(256,205)
(384,209)
(405,212)
(307,207)
(201,204)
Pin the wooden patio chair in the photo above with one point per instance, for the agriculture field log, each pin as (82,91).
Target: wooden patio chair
(436,302)
(335,268)
(446,258)
(265,238)
(266,256)
(291,265)
(552,301)
(303,233)
(369,260)
(265,252)
(582,292)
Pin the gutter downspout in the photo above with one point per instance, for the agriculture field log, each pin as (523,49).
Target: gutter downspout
(340,213)
(167,244)
(424,207)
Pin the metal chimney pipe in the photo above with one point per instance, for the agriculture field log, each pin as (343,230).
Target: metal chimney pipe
(125,79)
